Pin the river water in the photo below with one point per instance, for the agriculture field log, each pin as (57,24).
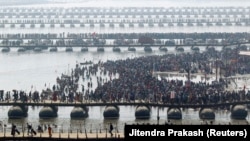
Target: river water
(22,71)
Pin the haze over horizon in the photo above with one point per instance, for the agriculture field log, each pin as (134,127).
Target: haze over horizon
(127,3)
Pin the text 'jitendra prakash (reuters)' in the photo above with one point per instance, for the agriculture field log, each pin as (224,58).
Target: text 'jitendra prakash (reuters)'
(204,132)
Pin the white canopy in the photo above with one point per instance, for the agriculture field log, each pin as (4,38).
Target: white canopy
(244,53)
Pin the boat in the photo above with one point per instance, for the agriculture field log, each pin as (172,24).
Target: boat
(247,23)
(150,24)
(161,48)
(102,25)
(53,49)
(92,25)
(210,49)
(147,49)
(209,24)
(52,25)
(226,48)
(37,49)
(62,25)
(5,49)
(111,25)
(170,24)
(100,49)
(82,25)
(195,49)
(219,24)
(180,24)
(161,25)
(131,49)
(69,49)
(116,49)
(228,24)
(179,49)
(2,25)
(199,24)
(238,24)
(84,49)
(121,25)
(21,49)
(42,25)
(22,25)
(142,112)
(141,25)
(12,25)
(32,26)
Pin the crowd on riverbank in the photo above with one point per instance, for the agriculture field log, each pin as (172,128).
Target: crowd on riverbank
(132,79)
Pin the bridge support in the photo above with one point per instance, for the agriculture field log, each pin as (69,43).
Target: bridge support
(207,113)
(239,112)
(18,112)
(174,113)
(111,112)
(142,112)
(48,112)
(79,112)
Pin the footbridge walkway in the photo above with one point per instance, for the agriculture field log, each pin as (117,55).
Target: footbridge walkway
(125,103)
(63,136)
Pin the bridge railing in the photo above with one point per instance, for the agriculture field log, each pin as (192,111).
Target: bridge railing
(128,103)
(81,131)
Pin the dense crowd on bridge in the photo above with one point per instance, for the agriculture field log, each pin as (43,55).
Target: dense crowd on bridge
(122,39)
(207,35)
(136,81)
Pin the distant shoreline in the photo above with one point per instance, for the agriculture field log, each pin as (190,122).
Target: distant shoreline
(18,2)
(129,3)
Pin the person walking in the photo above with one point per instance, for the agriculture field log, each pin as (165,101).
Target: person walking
(29,126)
(111,129)
(40,129)
(50,131)
(14,130)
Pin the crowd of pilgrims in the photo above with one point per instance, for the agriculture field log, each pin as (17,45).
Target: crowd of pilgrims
(171,35)
(132,79)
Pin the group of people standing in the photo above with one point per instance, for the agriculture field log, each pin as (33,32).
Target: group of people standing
(30,130)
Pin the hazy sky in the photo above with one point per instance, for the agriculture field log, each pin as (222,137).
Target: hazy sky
(130,3)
